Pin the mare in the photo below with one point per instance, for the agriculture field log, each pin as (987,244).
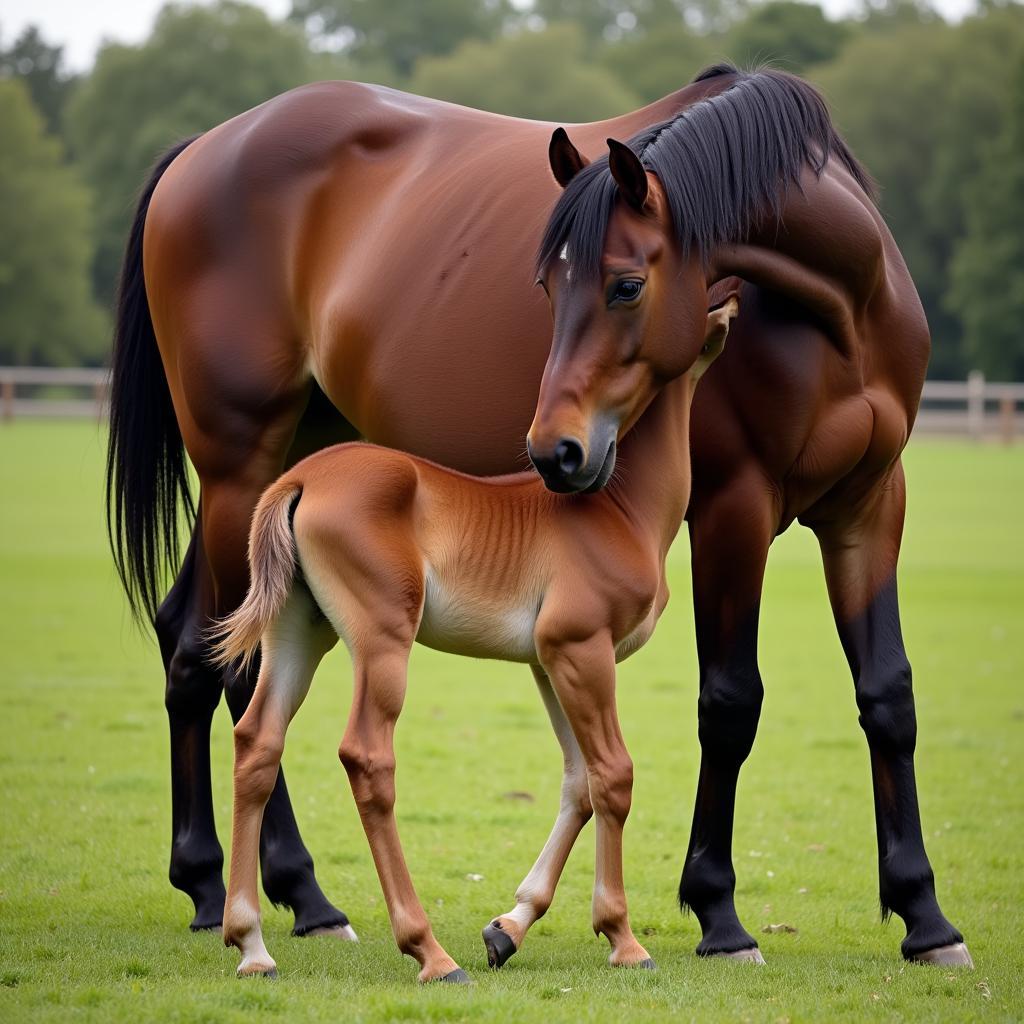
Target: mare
(348,261)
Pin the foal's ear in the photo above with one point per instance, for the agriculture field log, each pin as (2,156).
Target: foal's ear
(565,159)
(628,172)
(715,333)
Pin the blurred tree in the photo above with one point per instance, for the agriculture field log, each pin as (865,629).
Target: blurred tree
(200,66)
(659,61)
(988,268)
(787,33)
(38,65)
(609,20)
(531,74)
(922,126)
(47,312)
(396,34)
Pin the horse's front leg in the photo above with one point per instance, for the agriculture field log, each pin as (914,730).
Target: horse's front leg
(729,538)
(860,558)
(583,676)
(505,934)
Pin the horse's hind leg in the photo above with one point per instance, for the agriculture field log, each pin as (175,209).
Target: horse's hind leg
(730,534)
(368,754)
(192,694)
(860,555)
(504,935)
(294,646)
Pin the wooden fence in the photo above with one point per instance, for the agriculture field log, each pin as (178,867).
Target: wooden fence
(954,408)
(49,392)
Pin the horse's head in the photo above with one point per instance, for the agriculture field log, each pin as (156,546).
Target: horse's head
(629,307)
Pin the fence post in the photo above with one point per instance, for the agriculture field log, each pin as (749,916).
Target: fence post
(1007,415)
(8,399)
(976,404)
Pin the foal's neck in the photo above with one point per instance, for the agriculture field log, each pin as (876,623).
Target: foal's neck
(652,475)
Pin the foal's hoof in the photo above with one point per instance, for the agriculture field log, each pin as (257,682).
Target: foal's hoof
(499,946)
(647,965)
(344,932)
(750,956)
(456,977)
(955,955)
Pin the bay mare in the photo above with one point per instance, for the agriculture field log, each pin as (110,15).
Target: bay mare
(348,261)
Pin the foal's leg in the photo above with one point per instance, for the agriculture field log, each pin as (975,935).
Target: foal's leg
(291,652)
(729,539)
(367,752)
(860,567)
(505,934)
(583,676)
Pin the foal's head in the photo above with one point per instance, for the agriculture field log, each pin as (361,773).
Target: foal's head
(630,312)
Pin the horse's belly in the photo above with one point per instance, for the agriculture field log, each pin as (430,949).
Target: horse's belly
(460,624)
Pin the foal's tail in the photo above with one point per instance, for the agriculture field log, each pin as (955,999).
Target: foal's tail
(271,571)
(147,474)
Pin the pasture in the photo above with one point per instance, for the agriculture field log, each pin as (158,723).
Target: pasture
(91,930)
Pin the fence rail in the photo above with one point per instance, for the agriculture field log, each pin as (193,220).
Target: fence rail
(43,381)
(958,408)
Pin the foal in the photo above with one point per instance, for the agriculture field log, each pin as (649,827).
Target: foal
(382,549)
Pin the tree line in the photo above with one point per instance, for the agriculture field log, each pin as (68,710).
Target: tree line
(935,110)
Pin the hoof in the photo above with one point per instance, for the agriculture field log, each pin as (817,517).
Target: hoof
(499,946)
(955,955)
(344,932)
(647,965)
(750,956)
(456,977)
(258,972)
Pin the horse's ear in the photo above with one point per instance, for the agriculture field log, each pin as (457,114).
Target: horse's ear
(628,172)
(715,333)
(566,161)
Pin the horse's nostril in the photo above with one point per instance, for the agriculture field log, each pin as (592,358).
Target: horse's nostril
(569,456)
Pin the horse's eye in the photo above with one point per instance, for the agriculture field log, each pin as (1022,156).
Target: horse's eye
(626,290)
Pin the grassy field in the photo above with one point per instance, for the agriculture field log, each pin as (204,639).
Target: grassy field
(91,930)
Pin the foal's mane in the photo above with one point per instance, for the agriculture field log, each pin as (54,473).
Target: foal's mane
(724,162)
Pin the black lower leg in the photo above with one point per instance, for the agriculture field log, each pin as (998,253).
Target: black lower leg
(708,883)
(886,702)
(192,694)
(729,708)
(730,533)
(285,863)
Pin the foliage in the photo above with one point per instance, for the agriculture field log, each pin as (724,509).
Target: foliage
(201,66)
(31,59)
(788,34)
(398,33)
(531,74)
(91,931)
(47,313)
(988,267)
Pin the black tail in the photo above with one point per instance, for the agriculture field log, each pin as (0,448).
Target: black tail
(147,474)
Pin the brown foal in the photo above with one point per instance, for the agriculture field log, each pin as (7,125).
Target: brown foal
(384,549)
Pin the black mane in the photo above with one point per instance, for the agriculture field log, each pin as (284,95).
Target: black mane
(723,163)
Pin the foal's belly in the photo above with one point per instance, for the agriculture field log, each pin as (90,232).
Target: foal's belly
(499,627)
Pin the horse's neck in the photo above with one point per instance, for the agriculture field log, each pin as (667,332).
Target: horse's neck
(825,252)
(652,480)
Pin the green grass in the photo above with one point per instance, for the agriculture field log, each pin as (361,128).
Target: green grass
(90,929)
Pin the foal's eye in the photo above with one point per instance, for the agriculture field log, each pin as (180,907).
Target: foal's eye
(626,290)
